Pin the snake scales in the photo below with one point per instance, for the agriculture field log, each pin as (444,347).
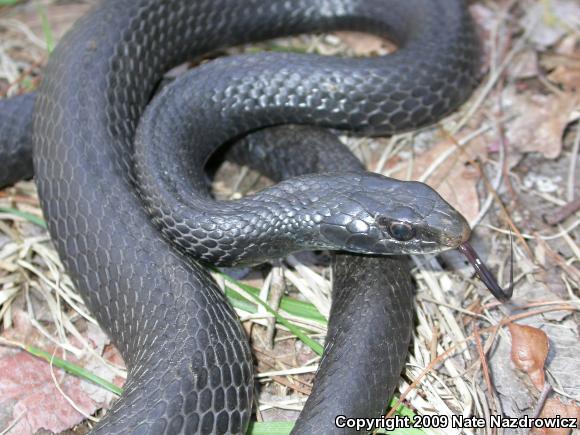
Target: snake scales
(108,164)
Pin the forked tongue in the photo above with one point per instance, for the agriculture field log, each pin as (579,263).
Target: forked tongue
(485,274)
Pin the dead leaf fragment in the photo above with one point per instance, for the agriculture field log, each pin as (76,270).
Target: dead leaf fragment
(550,20)
(555,408)
(487,21)
(563,64)
(453,179)
(566,76)
(524,65)
(541,123)
(31,400)
(529,351)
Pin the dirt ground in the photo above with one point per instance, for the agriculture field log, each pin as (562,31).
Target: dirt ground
(507,160)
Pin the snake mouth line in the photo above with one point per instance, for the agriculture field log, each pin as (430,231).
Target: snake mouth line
(482,271)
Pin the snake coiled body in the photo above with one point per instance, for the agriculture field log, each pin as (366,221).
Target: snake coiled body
(190,369)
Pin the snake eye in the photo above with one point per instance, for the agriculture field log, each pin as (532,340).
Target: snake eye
(401,231)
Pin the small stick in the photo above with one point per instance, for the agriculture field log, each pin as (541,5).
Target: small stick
(484,365)
(561,213)
(276,293)
(542,399)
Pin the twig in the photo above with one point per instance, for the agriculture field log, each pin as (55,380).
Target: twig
(484,366)
(573,158)
(505,211)
(14,423)
(561,213)
(572,272)
(541,236)
(542,399)
(277,285)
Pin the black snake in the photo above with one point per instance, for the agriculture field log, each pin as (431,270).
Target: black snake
(108,163)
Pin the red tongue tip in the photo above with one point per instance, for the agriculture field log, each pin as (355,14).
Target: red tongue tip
(485,274)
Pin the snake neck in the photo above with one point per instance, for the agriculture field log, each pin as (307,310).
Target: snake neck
(285,218)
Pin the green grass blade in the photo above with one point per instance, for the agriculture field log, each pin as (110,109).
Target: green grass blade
(277,48)
(294,307)
(297,331)
(270,428)
(46,29)
(25,215)
(240,302)
(74,369)
(306,310)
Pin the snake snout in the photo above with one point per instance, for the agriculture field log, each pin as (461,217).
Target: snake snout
(456,232)
(450,226)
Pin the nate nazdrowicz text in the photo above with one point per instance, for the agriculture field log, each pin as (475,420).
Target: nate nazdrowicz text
(454,421)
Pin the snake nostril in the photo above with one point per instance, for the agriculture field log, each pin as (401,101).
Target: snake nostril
(382,223)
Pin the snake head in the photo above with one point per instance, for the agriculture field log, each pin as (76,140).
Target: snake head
(380,215)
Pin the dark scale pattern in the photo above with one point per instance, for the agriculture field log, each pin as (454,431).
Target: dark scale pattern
(15,139)
(190,368)
(431,73)
(372,300)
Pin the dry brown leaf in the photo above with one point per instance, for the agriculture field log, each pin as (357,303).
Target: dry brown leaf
(549,21)
(453,179)
(29,398)
(564,63)
(555,408)
(568,45)
(525,65)
(566,76)
(529,351)
(541,123)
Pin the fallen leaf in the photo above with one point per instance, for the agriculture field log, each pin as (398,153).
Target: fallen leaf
(568,45)
(454,179)
(29,399)
(566,76)
(555,408)
(101,344)
(563,63)
(541,122)
(485,18)
(529,351)
(548,21)
(525,65)
(27,388)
